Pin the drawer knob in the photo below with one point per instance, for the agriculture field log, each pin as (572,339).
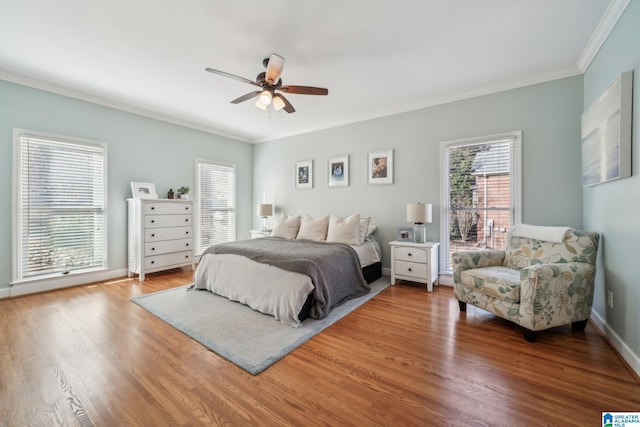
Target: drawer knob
(186,232)
(153,221)
(186,256)
(153,249)
(186,220)
(410,269)
(186,208)
(153,208)
(410,254)
(187,245)
(153,235)
(153,262)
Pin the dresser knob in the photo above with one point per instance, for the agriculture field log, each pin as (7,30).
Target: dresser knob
(186,208)
(153,262)
(186,220)
(186,256)
(153,235)
(410,270)
(410,254)
(153,249)
(153,221)
(186,232)
(187,245)
(153,208)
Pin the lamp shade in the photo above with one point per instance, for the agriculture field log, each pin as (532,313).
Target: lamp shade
(418,213)
(265,209)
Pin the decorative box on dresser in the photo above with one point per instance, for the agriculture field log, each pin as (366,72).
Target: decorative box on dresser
(415,262)
(161,235)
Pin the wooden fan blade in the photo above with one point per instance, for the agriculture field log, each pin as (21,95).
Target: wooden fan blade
(305,90)
(231,76)
(246,97)
(287,105)
(274,68)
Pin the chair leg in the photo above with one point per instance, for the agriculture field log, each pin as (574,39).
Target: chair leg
(529,335)
(463,306)
(579,326)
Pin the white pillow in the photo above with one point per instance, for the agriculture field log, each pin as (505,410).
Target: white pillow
(313,228)
(287,227)
(344,230)
(364,226)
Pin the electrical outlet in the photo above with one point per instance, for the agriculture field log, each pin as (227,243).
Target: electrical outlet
(610,299)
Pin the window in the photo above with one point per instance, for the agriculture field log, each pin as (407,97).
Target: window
(59,205)
(216,192)
(481,193)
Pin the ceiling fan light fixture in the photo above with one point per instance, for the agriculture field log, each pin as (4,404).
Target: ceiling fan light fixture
(260,105)
(278,103)
(265,97)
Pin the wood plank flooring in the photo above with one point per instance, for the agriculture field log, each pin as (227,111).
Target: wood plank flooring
(88,356)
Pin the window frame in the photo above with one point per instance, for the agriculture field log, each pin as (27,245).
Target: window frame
(233,208)
(515,186)
(17,241)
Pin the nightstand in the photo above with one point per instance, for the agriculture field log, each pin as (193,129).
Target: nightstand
(415,262)
(259,233)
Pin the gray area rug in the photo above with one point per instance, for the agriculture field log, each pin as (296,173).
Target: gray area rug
(252,340)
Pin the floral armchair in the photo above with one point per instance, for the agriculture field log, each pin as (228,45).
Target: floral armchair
(534,283)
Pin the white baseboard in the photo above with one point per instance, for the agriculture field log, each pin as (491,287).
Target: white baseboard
(618,343)
(27,288)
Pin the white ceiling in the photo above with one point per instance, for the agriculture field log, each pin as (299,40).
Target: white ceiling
(375,57)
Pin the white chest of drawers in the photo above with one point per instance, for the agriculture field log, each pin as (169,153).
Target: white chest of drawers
(161,235)
(415,262)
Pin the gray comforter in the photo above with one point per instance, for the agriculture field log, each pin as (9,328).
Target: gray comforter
(334,268)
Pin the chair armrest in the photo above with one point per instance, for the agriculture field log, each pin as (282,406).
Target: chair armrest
(466,260)
(556,294)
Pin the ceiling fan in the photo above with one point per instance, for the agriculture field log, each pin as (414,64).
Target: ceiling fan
(269,83)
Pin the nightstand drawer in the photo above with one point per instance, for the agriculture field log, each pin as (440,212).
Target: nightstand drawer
(410,254)
(410,269)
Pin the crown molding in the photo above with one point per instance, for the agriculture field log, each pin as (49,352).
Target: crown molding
(60,90)
(609,19)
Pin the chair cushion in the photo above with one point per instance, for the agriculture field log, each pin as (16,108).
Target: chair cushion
(499,282)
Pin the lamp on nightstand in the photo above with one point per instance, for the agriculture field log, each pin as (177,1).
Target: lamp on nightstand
(418,214)
(265,210)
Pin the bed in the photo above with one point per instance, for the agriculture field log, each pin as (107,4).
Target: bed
(290,278)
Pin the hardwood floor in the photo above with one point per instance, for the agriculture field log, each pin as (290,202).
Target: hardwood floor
(88,356)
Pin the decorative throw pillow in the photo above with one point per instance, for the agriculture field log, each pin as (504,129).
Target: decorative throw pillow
(287,227)
(344,230)
(313,228)
(364,226)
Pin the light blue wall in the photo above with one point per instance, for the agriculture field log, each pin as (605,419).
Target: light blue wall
(140,149)
(548,114)
(613,208)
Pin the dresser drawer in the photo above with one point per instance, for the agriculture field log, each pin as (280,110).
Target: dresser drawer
(169,233)
(410,254)
(176,258)
(159,221)
(410,269)
(167,208)
(168,246)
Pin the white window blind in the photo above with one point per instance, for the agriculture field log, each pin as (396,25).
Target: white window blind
(481,193)
(60,205)
(216,194)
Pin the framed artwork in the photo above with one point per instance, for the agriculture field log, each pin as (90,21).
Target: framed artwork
(404,235)
(304,174)
(339,171)
(606,134)
(143,190)
(380,167)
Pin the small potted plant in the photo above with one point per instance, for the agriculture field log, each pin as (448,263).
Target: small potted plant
(183,192)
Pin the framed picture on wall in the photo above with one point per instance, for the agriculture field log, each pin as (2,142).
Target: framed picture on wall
(304,174)
(380,167)
(339,171)
(143,190)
